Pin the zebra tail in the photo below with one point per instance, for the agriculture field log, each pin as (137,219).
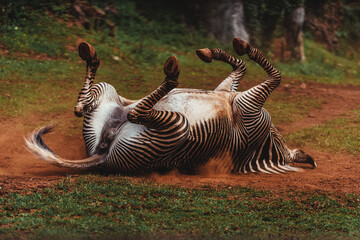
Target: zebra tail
(35,145)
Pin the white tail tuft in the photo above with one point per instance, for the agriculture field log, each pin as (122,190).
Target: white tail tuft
(36,146)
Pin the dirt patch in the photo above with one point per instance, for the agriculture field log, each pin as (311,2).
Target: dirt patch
(335,173)
(19,170)
(337,100)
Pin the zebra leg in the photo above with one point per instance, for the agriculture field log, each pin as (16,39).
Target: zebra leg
(258,94)
(88,54)
(144,114)
(230,83)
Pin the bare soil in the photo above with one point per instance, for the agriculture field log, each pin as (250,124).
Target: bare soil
(340,172)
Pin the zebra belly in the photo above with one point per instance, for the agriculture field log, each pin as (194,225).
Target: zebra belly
(197,106)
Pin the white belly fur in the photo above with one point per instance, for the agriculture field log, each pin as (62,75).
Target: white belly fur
(100,117)
(197,106)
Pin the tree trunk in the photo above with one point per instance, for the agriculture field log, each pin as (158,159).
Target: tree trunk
(294,22)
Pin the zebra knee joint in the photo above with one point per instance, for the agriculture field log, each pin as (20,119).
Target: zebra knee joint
(135,116)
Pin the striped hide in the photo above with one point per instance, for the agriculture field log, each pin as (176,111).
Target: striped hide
(178,127)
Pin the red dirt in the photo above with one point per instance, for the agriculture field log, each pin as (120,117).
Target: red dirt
(19,170)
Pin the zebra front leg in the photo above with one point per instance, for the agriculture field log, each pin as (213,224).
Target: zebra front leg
(258,94)
(143,113)
(85,99)
(230,83)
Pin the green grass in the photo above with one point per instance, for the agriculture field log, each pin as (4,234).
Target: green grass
(37,32)
(287,108)
(322,66)
(337,135)
(37,86)
(96,206)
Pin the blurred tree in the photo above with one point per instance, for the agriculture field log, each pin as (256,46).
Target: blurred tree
(293,22)
(324,20)
(260,22)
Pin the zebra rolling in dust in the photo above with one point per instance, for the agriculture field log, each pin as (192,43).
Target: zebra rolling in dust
(178,127)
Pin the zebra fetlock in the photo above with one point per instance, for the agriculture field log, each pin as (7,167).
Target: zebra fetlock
(232,82)
(143,112)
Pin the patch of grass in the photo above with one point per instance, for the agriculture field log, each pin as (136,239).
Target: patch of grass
(287,108)
(35,31)
(341,134)
(322,66)
(36,86)
(95,206)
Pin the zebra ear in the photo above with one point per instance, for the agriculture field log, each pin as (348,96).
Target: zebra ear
(87,52)
(241,47)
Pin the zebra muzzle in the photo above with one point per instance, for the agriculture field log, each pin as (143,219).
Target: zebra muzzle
(79,112)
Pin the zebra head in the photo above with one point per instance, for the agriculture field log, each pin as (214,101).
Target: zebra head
(87,97)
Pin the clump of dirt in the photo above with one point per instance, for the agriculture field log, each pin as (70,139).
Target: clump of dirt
(19,170)
(217,166)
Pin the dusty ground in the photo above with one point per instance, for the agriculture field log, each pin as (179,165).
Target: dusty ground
(335,172)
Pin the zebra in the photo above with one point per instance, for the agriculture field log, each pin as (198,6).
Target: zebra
(178,128)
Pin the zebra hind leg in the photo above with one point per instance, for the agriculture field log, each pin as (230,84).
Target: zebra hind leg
(143,113)
(299,156)
(258,95)
(230,83)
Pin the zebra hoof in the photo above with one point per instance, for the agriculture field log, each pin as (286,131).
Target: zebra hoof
(171,67)
(302,157)
(241,47)
(204,54)
(87,52)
